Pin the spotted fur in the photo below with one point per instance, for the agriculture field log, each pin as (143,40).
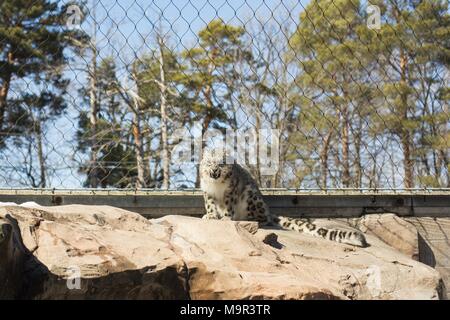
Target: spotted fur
(230,192)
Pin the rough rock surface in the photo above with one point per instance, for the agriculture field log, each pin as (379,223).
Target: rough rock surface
(119,254)
(393,230)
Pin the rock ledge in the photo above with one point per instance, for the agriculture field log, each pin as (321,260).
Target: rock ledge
(119,254)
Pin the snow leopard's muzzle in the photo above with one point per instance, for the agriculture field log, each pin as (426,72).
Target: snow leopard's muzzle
(215,173)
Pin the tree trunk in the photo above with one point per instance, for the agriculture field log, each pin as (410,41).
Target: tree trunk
(324,160)
(4,89)
(407,163)
(358,138)
(404,134)
(150,180)
(373,172)
(345,148)
(405,137)
(281,120)
(93,172)
(138,139)
(40,150)
(93,102)
(393,169)
(258,129)
(3,97)
(207,120)
(205,127)
(164,139)
(445,163)
(139,150)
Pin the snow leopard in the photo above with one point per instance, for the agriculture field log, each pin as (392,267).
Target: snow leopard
(231,193)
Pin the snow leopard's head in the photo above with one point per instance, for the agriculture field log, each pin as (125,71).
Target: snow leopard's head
(213,165)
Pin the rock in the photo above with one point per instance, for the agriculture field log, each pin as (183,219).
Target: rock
(393,230)
(11,260)
(101,252)
(118,254)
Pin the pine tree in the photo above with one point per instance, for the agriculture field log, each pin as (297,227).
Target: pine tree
(414,42)
(115,158)
(332,46)
(161,82)
(211,63)
(32,53)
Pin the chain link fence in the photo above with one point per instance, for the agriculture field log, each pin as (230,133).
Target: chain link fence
(324,93)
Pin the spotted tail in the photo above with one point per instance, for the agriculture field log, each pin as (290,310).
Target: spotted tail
(355,238)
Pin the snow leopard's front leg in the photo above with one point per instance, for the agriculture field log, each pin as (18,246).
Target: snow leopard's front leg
(226,207)
(211,208)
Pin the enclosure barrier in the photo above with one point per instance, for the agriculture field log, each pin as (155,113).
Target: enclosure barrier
(105,93)
(339,203)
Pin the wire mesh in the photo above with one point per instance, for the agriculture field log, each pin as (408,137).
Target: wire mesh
(123,94)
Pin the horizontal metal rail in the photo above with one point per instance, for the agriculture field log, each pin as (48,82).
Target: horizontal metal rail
(344,203)
(195,191)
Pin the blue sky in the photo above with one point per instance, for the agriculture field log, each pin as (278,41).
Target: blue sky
(125,27)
